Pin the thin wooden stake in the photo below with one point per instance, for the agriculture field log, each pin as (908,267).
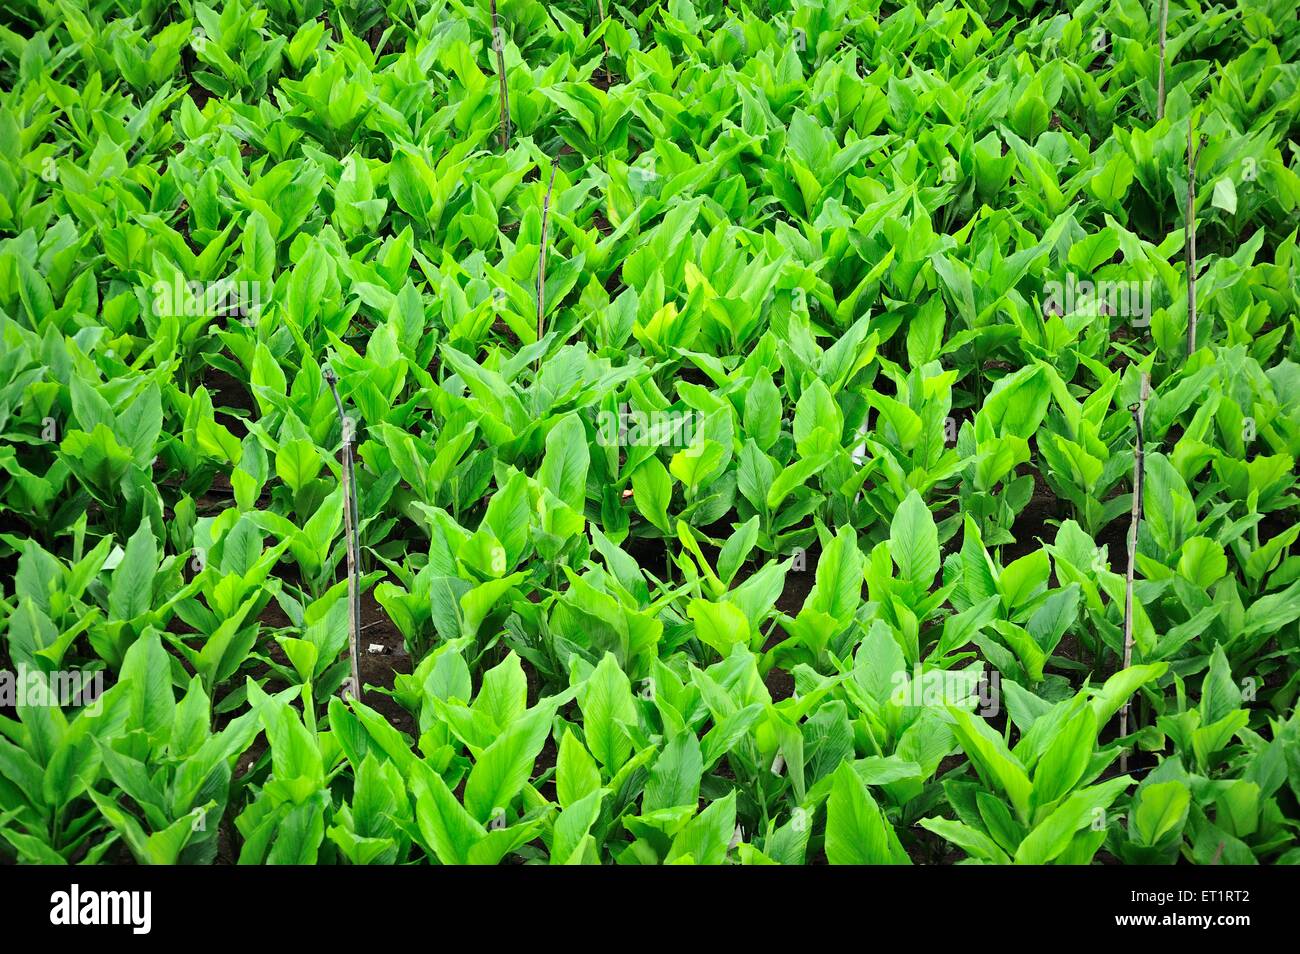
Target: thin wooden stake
(350,522)
(1160,88)
(541,255)
(498,44)
(1189,232)
(609,77)
(1138,411)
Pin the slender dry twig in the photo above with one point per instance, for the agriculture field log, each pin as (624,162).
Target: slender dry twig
(1189,231)
(350,521)
(604,61)
(499,45)
(1160,88)
(1138,411)
(541,255)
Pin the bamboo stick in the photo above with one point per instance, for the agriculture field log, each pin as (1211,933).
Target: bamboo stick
(1138,411)
(350,522)
(541,257)
(604,61)
(1189,232)
(498,44)
(1160,88)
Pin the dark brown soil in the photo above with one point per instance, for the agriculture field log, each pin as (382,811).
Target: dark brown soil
(381,669)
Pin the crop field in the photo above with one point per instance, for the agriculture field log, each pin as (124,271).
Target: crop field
(679,432)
